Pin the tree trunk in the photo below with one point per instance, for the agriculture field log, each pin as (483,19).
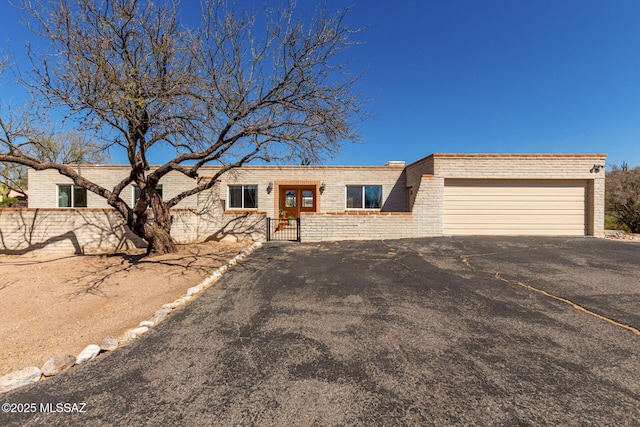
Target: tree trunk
(160,241)
(158,232)
(158,237)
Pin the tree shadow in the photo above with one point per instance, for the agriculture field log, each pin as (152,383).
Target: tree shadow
(183,262)
(27,230)
(24,232)
(241,228)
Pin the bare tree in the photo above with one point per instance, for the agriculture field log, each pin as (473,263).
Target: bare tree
(622,196)
(12,177)
(52,146)
(240,87)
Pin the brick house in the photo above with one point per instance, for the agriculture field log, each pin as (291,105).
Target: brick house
(441,194)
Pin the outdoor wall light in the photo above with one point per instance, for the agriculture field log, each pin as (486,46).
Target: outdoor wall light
(270,187)
(322,188)
(596,168)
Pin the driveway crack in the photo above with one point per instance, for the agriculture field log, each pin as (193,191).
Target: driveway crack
(572,304)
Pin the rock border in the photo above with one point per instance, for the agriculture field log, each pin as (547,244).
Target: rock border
(56,365)
(621,235)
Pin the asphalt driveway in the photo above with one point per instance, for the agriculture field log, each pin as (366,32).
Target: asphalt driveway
(441,331)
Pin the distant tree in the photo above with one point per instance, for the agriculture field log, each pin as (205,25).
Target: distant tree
(5,200)
(8,202)
(62,148)
(622,196)
(236,89)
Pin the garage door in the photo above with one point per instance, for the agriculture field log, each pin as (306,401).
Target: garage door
(515,207)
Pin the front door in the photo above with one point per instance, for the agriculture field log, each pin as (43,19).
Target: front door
(296,199)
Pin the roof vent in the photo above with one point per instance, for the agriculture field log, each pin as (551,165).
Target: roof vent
(396,163)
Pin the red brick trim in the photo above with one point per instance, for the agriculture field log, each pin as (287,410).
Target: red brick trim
(243,212)
(109,209)
(297,182)
(60,209)
(357,213)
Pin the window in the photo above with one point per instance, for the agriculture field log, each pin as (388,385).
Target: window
(307,198)
(290,199)
(71,196)
(136,192)
(364,196)
(243,196)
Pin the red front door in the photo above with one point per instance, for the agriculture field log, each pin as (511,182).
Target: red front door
(296,199)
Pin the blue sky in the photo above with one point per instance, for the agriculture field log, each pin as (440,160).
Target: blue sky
(492,76)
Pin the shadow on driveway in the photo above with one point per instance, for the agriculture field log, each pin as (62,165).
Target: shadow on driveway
(421,332)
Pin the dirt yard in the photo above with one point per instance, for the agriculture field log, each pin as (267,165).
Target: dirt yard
(52,305)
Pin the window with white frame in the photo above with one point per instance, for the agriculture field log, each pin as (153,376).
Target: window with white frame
(71,196)
(364,196)
(136,192)
(243,197)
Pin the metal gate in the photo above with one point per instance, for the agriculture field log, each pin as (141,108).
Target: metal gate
(283,229)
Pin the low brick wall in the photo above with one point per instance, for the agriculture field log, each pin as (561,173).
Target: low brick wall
(328,226)
(64,230)
(103,230)
(241,227)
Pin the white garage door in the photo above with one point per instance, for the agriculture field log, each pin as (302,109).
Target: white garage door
(515,207)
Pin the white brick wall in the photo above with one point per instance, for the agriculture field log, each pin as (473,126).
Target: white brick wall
(342,226)
(418,188)
(518,166)
(64,230)
(414,173)
(511,166)
(335,178)
(43,192)
(429,205)
(103,230)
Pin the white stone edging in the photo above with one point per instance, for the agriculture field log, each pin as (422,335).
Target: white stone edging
(56,365)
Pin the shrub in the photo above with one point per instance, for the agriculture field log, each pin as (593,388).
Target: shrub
(622,197)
